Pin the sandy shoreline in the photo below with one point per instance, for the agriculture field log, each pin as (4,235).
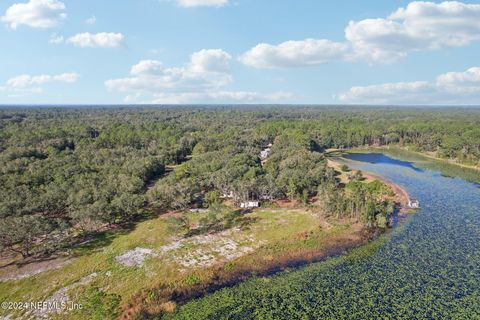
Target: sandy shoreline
(401,195)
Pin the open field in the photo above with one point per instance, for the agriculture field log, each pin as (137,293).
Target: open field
(155,256)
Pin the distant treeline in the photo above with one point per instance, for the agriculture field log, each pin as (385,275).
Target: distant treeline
(65,172)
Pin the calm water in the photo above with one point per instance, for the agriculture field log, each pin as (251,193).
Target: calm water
(379,158)
(429,268)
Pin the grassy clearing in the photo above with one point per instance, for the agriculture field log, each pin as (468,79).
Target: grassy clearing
(288,237)
(110,275)
(272,233)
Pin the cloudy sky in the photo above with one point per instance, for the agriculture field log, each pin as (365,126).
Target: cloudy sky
(239,51)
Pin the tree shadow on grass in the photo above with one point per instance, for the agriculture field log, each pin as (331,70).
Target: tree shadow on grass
(235,218)
(84,244)
(93,241)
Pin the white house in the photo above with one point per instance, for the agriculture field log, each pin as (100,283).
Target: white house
(249,204)
(413,203)
(265,153)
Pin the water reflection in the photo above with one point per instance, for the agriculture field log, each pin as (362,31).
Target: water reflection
(379,158)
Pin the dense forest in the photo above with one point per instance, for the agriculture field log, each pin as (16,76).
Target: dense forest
(68,172)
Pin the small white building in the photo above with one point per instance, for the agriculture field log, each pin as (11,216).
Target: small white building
(227,195)
(265,153)
(413,204)
(249,204)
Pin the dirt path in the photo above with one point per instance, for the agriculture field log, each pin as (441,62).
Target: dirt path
(17,272)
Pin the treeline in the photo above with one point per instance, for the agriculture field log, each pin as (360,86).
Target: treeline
(371,203)
(65,172)
(228,164)
(445,133)
(61,178)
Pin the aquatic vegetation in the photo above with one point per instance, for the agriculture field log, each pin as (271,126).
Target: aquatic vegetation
(427,269)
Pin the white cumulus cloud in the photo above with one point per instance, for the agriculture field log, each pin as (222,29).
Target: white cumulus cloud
(201,3)
(203,79)
(26,84)
(35,13)
(147,67)
(213,97)
(461,83)
(98,40)
(295,53)
(26,80)
(207,69)
(420,26)
(448,88)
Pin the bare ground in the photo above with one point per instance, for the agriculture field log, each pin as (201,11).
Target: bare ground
(59,297)
(20,271)
(197,251)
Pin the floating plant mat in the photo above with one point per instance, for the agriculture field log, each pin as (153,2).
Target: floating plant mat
(429,268)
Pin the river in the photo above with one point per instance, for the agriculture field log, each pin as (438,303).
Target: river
(428,268)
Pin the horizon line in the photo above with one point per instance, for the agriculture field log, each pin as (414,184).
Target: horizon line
(124,105)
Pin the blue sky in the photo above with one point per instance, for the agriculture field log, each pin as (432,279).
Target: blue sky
(239,51)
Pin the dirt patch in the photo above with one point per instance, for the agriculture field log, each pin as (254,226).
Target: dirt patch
(17,272)
(59,298)
(135,257)
(285,203)
(207,250)
(197,251)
